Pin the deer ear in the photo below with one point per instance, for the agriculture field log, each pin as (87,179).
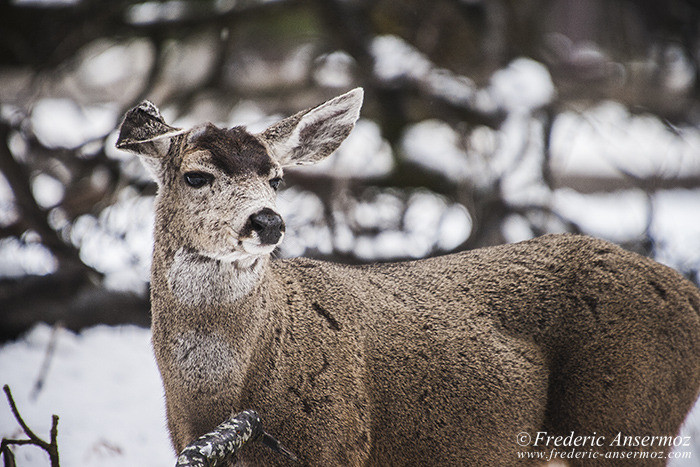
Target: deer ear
(145,133)
(312,135)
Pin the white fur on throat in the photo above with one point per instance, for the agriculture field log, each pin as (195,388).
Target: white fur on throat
(199,280)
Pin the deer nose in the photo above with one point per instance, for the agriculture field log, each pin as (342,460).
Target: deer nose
(268,224)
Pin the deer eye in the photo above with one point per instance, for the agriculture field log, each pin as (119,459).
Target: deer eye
(198,179)
(275,183)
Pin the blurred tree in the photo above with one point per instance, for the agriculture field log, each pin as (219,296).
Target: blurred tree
(464,127)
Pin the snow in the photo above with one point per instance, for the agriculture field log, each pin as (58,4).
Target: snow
(679,75)
(434,145)
(364,154)
(60,122)
(250,114)
(524,85)
(8,211)
(518,161)
(459,90)
(304,219)
(676,226)
(385,245)
(670,215)
(608,140)
(617,217)
(334,70)
(455,227)
(47,191)
(104,386)
(516,228)
(394,59)
(20,258)
(383,212)
(119,242)
(422,216)
(691,427)
(153,12)
(513,155)
(107,64)
(429,223)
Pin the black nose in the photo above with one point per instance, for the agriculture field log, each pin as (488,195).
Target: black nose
(268,224)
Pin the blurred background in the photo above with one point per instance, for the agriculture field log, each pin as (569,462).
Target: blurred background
(485,121)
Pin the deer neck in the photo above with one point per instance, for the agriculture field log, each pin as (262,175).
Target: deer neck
(196,280)
(209,317)
(193,291)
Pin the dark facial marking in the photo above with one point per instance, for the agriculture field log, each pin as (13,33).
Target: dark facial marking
(234,150)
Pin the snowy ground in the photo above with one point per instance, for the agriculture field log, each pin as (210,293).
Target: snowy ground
(105,387)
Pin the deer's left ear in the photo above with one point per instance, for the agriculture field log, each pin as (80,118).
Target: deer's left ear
(312,135)
(144,131)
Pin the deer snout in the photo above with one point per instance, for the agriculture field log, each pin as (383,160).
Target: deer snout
(268,225)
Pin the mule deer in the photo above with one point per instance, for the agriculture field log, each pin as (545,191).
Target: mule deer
(443,361)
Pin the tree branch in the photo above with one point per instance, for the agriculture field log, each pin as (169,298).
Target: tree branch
(33,214)
(51,448)
(227,440)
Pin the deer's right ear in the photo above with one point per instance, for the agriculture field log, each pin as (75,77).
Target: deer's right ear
(145,133)
(312,135)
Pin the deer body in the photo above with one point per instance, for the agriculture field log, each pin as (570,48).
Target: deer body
(442,361)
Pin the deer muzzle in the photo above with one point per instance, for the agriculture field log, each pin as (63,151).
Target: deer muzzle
(268,225)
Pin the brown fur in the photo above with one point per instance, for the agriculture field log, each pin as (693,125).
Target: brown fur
(435,362)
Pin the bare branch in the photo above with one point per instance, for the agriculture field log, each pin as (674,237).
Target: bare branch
(34,215)
(51,448)
(48,356)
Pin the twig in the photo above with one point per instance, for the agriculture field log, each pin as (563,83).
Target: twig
(51,448)
(48,356)
(8,456)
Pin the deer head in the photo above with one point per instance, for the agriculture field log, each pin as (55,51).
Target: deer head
(218,186)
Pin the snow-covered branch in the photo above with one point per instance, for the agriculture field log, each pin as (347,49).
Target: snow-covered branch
(227,440)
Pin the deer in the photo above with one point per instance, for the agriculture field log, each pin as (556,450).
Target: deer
(464,359)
